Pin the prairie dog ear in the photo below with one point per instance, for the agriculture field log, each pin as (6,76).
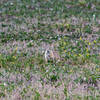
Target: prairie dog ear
(52,46)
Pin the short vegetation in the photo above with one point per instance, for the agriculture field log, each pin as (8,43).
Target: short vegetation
(71,28)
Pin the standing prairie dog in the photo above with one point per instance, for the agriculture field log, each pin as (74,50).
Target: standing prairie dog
(51,55)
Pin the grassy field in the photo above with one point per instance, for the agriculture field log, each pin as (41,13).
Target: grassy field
(69,27)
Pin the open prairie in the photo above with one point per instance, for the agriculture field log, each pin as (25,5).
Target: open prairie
(69,29)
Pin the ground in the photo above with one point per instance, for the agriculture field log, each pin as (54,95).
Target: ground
(68,27)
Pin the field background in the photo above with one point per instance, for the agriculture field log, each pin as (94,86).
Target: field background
(69,27)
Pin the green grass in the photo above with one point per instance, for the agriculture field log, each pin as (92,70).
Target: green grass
(27,27)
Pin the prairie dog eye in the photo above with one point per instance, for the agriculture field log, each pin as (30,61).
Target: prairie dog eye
(48,51)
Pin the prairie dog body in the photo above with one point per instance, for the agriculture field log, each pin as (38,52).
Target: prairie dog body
(50,54)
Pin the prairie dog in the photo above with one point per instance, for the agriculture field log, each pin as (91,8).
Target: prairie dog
(50,54)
